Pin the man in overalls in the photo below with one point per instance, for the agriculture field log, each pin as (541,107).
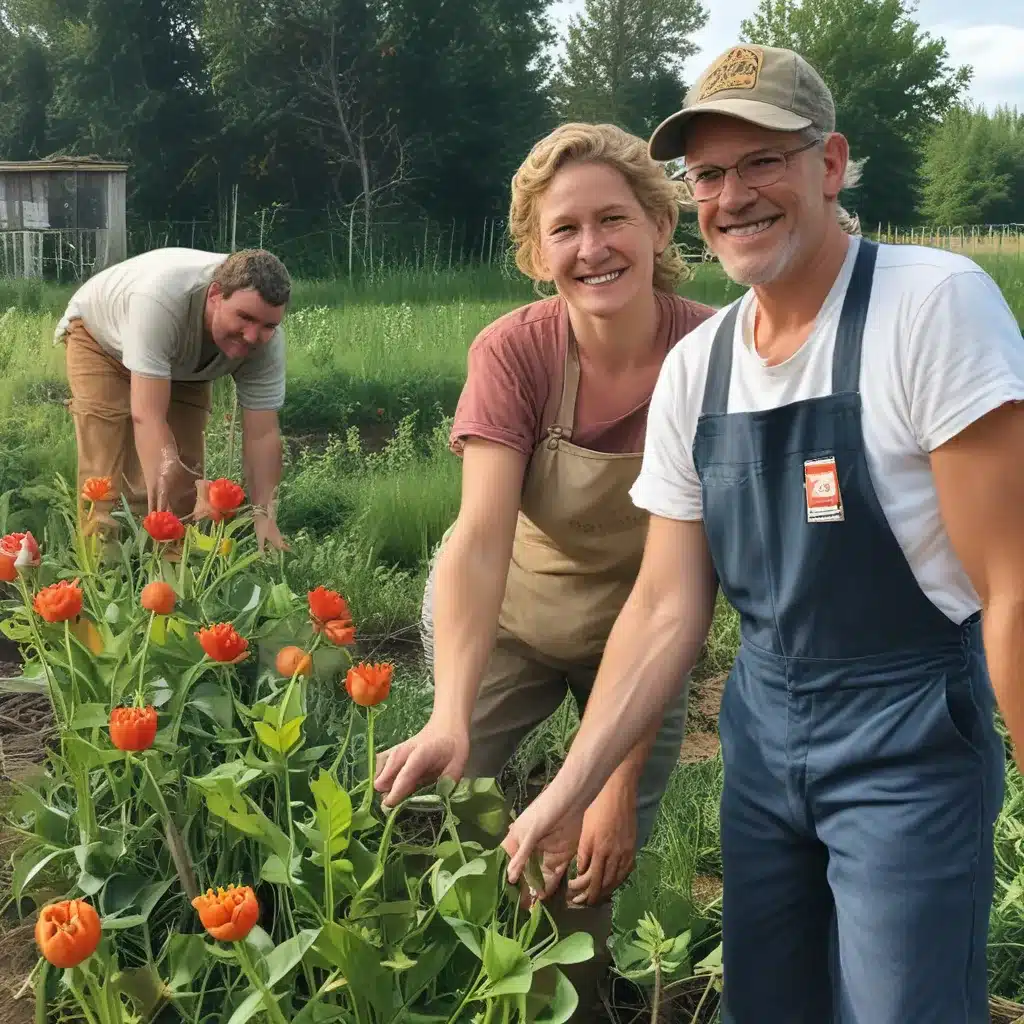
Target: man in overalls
(840,450)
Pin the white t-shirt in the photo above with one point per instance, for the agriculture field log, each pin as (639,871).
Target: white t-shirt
(941,348)
(147,312)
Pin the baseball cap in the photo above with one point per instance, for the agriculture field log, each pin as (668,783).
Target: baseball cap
(766,85)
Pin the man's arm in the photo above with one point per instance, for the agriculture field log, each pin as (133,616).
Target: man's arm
(979,476)
(653,645)
(261,457)
(154,440)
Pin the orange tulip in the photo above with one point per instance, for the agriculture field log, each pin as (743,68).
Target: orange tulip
(225,496)
(340,632)
(98,488)
(133,728)
(222,643)
(59,601)
(325,605)
(68,932)
(163,526)
(8,573)
(158,597)
(292,660)
(228,914)
(369,684)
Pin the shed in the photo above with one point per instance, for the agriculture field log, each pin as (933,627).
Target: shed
(64,213)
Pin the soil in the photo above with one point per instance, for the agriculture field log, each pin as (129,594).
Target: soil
(24,729)
(701,742)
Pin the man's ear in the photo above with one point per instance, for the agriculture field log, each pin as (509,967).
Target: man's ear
(837,157)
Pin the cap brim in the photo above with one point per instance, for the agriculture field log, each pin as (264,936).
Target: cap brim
(668,140)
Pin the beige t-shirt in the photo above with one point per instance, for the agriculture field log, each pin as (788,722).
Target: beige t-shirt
(147,312)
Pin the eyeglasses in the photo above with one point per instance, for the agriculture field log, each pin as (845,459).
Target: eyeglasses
(755,170)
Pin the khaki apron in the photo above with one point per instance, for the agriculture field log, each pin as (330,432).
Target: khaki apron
(577,550)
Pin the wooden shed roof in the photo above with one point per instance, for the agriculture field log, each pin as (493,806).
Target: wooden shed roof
(59,164)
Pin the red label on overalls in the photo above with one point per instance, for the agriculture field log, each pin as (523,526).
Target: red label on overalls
(821,486)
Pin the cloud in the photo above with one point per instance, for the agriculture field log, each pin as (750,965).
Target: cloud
(994,53)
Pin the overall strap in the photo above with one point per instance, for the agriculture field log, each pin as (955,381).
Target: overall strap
(566,417)
(716,387)
(850,335)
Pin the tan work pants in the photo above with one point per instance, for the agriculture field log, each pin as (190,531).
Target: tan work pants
(101,408)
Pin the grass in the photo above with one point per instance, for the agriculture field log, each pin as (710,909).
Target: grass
(375,371)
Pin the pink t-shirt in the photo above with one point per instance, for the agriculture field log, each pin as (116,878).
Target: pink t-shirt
(515,371)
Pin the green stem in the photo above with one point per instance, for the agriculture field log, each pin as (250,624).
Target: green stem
(140,691)
(56,697)
(77,993)
(371,758)
(179,852)
(344,746)
(269,1002)
(467,997)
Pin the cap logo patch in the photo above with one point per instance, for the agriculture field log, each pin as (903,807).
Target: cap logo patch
(740,68)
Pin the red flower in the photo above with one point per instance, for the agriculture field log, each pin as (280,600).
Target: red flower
(222,643)
(163,526)
(21,549)
(228,915)
(98,488)
(158,597)
(59,601)
(340,632)
(325,605)
(68,932)
(133,728)
(369,684)
(225,496)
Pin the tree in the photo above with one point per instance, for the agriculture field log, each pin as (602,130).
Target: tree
(890,89)
(973,168)
(623,61)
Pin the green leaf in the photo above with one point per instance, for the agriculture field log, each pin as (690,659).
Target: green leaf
(563,1004)
(186,956)
(479,802)
(518,983)
(277,964)
(282,740)
(31,863)
(344,948)
(467,933)
(444,787)
(502,956)
(573,949)
(333,814)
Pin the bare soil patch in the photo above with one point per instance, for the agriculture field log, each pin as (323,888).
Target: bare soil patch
(701,742)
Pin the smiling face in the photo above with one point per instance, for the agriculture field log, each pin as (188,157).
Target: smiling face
(596,242)
(240,322)
(769,233)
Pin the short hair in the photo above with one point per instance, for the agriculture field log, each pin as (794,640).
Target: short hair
(576,142)
(257,269)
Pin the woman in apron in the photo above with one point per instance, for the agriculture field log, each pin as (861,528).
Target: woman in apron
(550,425)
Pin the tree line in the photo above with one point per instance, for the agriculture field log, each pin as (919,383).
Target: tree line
(413,111)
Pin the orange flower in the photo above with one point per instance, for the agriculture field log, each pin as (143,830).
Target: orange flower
(222,643)
(228,915)
(340,632)
(292,660)
(225,496)
(158,597)
(8,574)
(59,601)
(68,932)
(133,728)
(325,605)
(369,684)
(163,526)
(21,548)
(98,488)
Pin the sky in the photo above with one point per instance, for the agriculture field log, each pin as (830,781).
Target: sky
(986,34)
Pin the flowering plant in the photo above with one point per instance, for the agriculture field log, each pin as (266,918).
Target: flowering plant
(190,782)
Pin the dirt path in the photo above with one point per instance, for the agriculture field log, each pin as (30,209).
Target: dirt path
(701,742)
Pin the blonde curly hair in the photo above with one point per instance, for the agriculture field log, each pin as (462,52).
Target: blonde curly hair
(578,142)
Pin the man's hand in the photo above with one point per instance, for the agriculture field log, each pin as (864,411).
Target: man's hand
(267,532)
(439,748)
(607,847)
